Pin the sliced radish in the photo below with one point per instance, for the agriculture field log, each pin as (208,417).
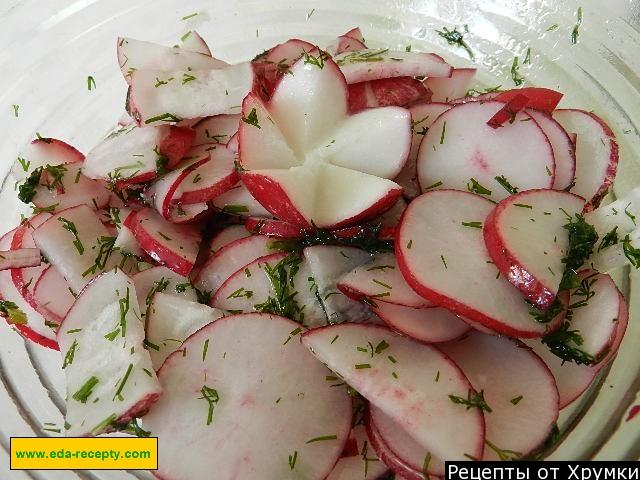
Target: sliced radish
(161,279)
(303,153)
(35,328)
(543,99)
(170,321)
(527,241)
(460,148)
(596,153)
(230,259)
(364,464)
(275,279)
(508,112)
(518,388)
(126,240)
(328,264)
(391,218)
(132,154)
(228,235)
(276,63)
(399,450)
(400,91)
(373,64)
(217,130)
(69,188)
(239,201)
(442,255)
(20,258)
(193,42)
(428,325)
(412,397)
(208,180)
(564,150)
(422,117)
(303,425)
(171,245)
(273,228)
(448,88)
(77,244)
(52,295)
(380,280)
(109,375)
(181,96)
(135,55)
(356,34)
(41,152)
(620,214)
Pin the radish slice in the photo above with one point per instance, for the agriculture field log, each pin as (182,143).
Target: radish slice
(161,279)
(364,464)
(411,397)
(448,88)
(52,295)
(428,325)
(36,328)
(508,112)
(77,244)
(230,259)
(543,99)
(273,228)
(171,245)
(564,150)
(227,236)
(380,281)
(72,188)
(20,258)
(125,240)
(181,97)
(193,42)
(328,264)
(133,155)
(391,218)
(42,152)
(400,91)
(527,241)
(135,55)
(356,34)
(596,153)
(303,425)
(216,130)
(170,321)
(109,375)
(275,63)
(450,157)
(374,64)
(448,263)
(209,179)
(277,279)
(390,440)
(422,117)
(518,388)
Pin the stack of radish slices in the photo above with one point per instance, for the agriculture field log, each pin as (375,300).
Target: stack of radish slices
(322,264)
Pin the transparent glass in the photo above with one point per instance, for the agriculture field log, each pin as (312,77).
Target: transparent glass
(50,47)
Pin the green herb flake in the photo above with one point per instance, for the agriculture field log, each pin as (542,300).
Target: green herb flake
(582,240)
(252,118)
(212,398)
(91,83)
(293,458)
(235,209)
(502,180)
(552,27)
(70,227)
(474,399)
(122,382)
(187,17)
(205,348)
(435,185)
(517,78)
(523,205)
(84,392)
(516,400)
(474,187)
(444,129)
(309,15)
(629,214)
(68,357)
(504,455)
(576,29)
(611,238)
(527,57)
(322,439)
(362,366)
(472,224)
(455,37)
(16,110)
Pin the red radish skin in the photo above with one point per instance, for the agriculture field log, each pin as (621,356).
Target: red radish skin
(20,258)
(208,180)
(226,236)
(176,144)
(449,88)
(178,252)
(543,99)
(272,228)
(386,92)
(527,241)
(509,111)
(41,152)
(216,130)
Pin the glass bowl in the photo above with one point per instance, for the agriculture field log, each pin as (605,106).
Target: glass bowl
(52,46)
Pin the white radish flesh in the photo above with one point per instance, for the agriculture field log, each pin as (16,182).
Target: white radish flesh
(380,280)
(208,180)
(228,235)
(42,152)
(193,42)
(259,422)
(412,397)
(401,469)
(448,263)
(20,258)
(460,146)
(161,279)
(239,201)
(170,321)
(428,325)
(518,388)
(53,296)
(109,375)
(216,130)
(526,239)
(448,88)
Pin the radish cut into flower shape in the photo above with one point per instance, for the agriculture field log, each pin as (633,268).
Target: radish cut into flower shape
(170,321)
(109,375)
(304,154)
(411,397)
(447,88)
(303,422)
(442,255)
(428,325)
(518,388)
(527,241)
(461,148)
(171,245)
(381,280)
(596,153)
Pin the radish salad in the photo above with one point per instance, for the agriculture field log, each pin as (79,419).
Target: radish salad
(332,263)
